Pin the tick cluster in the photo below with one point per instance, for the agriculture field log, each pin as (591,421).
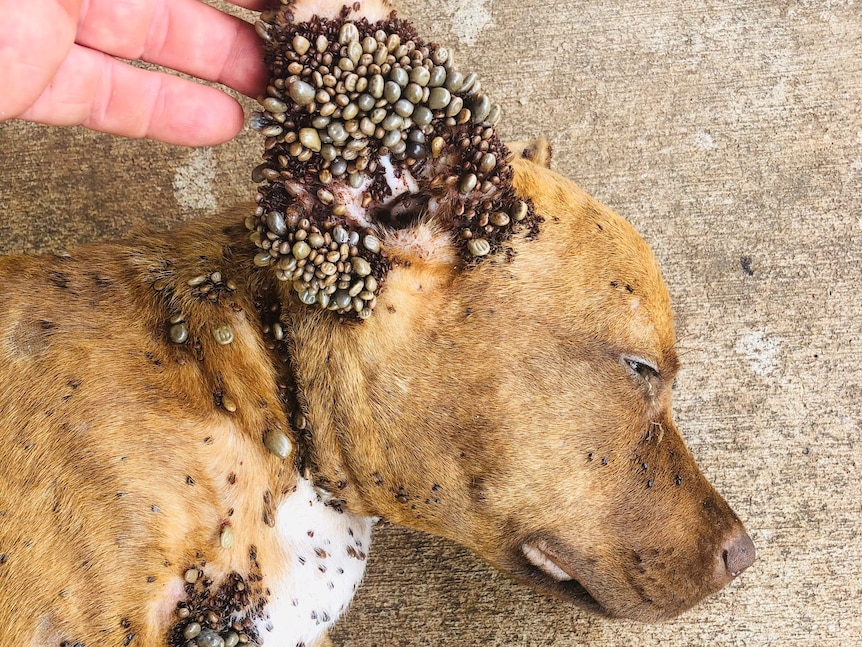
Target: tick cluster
(208,615)
(343,96)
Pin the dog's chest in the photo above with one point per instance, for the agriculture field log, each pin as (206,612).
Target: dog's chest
(324,554)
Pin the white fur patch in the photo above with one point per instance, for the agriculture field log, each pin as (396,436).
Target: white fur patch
(539,559)
(325,553)
(427,241)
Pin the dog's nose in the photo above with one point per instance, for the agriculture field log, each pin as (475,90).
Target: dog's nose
(736,554)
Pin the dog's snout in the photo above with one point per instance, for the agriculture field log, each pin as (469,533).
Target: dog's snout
(736,553)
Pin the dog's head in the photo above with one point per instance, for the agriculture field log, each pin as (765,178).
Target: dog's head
(509,386)
(522,407)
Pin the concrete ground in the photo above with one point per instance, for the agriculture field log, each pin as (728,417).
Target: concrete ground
(730,134)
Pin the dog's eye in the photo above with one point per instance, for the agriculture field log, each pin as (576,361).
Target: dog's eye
(640,367)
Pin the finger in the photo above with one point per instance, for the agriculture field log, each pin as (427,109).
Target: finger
(33,44)
(98,91)
(184,35)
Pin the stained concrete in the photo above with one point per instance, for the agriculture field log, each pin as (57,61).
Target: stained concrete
(730,134)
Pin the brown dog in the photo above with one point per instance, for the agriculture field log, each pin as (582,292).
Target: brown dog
(194,455)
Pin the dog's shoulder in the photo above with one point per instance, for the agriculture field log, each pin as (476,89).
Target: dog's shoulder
(138,390)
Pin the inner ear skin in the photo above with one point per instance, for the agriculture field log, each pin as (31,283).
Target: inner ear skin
(403,212)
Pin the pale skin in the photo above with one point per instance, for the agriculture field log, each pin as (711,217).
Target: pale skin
(60,64)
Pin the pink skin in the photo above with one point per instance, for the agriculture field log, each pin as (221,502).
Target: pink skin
(59,66)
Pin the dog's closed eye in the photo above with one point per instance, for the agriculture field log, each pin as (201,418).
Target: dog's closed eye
(640,368)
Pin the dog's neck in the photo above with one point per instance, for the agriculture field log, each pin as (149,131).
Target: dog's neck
(349,446)
(289,329)
(285,325)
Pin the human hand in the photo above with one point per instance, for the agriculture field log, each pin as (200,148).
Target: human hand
(59,65)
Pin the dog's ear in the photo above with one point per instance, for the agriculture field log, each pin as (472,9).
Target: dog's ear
(379,152)
(535,150)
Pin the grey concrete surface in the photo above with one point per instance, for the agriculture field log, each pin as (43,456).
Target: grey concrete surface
(730,134)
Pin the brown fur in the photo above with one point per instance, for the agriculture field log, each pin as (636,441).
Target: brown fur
(486,404)
(535,150)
